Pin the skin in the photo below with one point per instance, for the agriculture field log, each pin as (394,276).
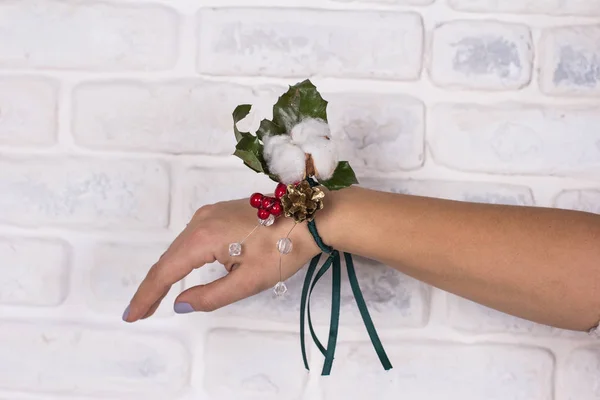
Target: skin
(536,263)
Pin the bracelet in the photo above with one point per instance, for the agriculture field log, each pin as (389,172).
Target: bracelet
(295,150)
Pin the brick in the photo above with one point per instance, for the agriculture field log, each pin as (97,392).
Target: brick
(570,61)
(476,192)
(581,200)
(580,378)
(300,43)
(84,192)
(90,35)
(183,116)
(115,272)
(199,188)
(515,138)
(394,299)
(247,365)
(392,2)
(28,111)
(434,370)
(80,361)
(33,272)
(482,55)
(378,132)
(552,7)
(467,316)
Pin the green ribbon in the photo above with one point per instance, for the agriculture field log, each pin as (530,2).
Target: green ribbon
(309,284)
(364,312)
(307,279)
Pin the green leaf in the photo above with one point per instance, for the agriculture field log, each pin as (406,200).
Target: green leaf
(269,128)
(239,114)
(249,149)
(299,102)
(343,176)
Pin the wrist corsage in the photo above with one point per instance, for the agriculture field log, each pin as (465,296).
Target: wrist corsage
(295,149)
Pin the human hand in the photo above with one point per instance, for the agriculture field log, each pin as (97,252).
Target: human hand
(205,240)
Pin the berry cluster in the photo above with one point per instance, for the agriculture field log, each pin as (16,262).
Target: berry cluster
(269,205)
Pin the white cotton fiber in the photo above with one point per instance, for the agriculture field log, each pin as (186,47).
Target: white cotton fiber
(324,156)
(309,129)
(284,159)
(286,154)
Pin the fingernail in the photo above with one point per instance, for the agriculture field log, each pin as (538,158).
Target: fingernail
(183,308)
(126,313)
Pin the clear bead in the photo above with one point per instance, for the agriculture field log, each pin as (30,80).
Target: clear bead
(267,222)
(284,245)
(235,249)
(280,289)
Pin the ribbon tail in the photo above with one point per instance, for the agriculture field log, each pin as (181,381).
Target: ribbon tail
(319,275)
(309,274)
(335,313)
(364,312)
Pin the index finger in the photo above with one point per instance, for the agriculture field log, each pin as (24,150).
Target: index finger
(180,259)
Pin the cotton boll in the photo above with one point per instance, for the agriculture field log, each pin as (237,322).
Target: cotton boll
(308,130)
(284,159)
(288,162)
(286,154)
(324,155)
(270,143)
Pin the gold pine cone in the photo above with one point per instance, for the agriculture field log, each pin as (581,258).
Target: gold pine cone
(302,202)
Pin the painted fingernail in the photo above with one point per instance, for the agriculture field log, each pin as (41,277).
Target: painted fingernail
(126,313)
(183,308)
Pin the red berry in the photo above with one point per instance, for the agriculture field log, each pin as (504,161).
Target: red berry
(267,202)
(263,214)
(256,200)
(280,191)
(276,210)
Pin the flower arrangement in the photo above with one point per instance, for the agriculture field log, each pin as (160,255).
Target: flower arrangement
(296,144)
(296,150)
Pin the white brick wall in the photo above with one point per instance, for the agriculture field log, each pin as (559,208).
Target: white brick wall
(83,191)
(115,125)
(29,107)
(378,132)
(96,36)
(516,138)
(33,272)
(437,370)
(570,60)
(170,117)
(481,55)
(66,358)
(549,7)
(296,43)
(247,378)
(116,270)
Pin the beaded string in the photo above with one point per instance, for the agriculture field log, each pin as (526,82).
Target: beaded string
(281,254)
(236,248)
(251,232)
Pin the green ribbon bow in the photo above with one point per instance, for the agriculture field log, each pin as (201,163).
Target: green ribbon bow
(333,260)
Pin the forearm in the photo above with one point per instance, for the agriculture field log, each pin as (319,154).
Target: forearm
(537,263)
